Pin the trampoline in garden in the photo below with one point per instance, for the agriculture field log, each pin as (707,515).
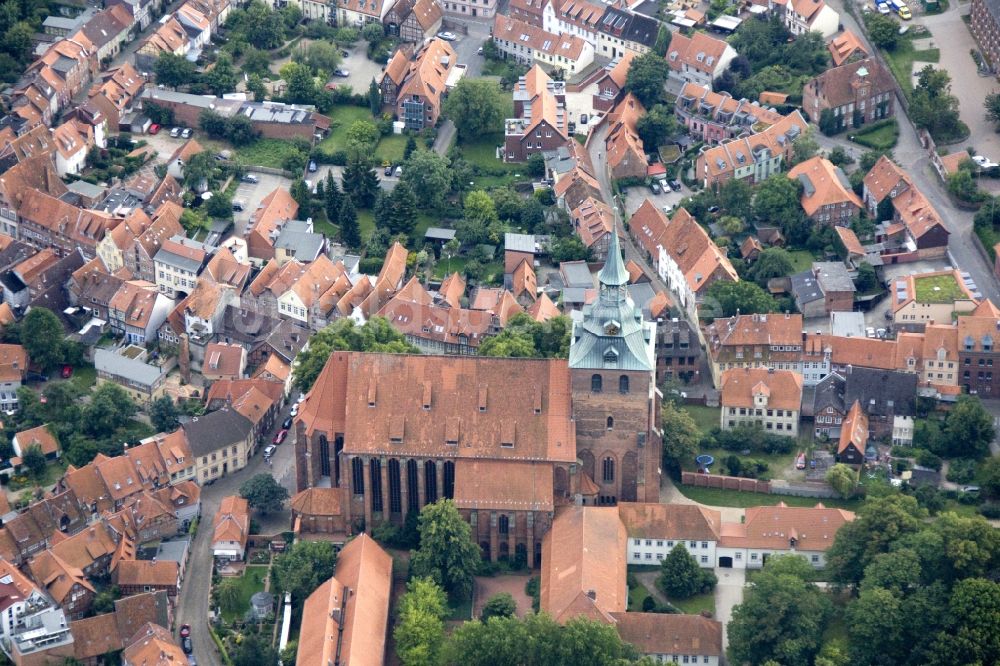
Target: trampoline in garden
(704,461)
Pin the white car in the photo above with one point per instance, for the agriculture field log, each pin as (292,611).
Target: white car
(269,450)
(883,8)
(870,332)
(983,163)
(447,35)
(294,411)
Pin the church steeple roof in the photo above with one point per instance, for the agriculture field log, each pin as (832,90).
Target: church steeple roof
(613,274)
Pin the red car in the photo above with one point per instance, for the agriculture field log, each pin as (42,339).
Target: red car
(280,437)
(67,371)
(185,630)
(154,128)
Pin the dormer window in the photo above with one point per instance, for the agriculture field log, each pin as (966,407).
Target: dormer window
(610,356)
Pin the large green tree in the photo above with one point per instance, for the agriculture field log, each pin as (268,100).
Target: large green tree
(728,298)
(109,409)
(680,575)
(525,337)
(476,106)
(782,617)
(42,336)
(879,523)
(302,568)
(680,438)
(646,77)
(360,181)
(347,217)
(968,430)
(174,70)
(772,262)
(429,175)
(163,414)
(403,211)
(447,553)
(264,493)
(419,632)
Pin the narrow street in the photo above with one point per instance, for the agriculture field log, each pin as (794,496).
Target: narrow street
(192,605)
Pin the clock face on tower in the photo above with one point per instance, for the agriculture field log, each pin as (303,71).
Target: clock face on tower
(611,328)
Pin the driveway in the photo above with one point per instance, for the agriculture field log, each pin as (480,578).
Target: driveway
(192,604)
(952,37)
(361,68)
(728,595)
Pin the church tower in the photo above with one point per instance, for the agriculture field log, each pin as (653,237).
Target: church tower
(616,404)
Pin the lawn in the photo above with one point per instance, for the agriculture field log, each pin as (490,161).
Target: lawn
(989,237)
(391,148)
(736,498)
(446,267)
(882,137)
(341,118)
(636,595)
(706,418)
(938,289)
(491,172)
(802,260)
(696,604)
(777,462)
(84,378)
(251,582)
(901,61)
(267,153)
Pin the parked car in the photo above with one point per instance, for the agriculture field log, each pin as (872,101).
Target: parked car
(970,489)
(238,206)
(67,371)
(388,170)
(341,73)
(883,8)
(302,398)
(479,51)
(665,186)
(269,451)
(295,410)
(154,129)
(175,132)
(713,209)
(870,332)
(398,172)
(345,53)
(675,185)
(983,162)
(186,133)
(654,187)
(447,35)
(36,377)
(186,645)
(185,630)
(280,437)
(287,423)
(312,166)
(250,178)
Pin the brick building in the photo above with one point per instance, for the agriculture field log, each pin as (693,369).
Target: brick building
(859,92)
(827,197)
(985,27)
(539,122)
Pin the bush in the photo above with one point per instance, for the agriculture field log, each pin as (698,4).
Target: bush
(990,510)
(749,438)
(648,605)
(961,470)
(927,459)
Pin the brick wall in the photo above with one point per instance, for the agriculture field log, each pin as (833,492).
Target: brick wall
(725,482)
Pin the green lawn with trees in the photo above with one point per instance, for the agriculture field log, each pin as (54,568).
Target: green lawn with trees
(233,594)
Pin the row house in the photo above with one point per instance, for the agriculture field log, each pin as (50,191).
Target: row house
(754,158)
(771,341)
(140,576)
(769,399)
(471,8)
(358,13)
(888,398)
(415,86)
(259,400)
(414,21)
(112,248)
(930,298)
(655,529)
(620,32)
(108,30)
(178,263)
(138,257)
(824,288)
(540,122)
(531,12)
(911,228)
(137,311)
(625,150)
(978,336)
(683,254)
(13,369)
(198,316)
(768,531)
(528,44)
(699,59)
(73,141)
(573,17)
(169,37)
(805,16)
(99,635)
(715,117)
(827,196)
(140,10)
(42,524)
(221,442)
(984,24)
(45,221)
(68,65)
(678,351)
(857,93)
(112,97)
(594,222)
(611,83)
(265,222)
(231,529)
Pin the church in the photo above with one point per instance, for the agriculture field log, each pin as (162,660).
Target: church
(508,439)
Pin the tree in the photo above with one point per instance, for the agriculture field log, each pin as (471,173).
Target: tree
(536,165)
(476,106)
(163,413)
(199,170)
(361,138)
(990,475)
(411,146)
(376,335)
(882,30)
(419,631)
(257,62)
(772,262)
(830,123)
(263,493)
(302,568)
(255,651)
(332,198)
(804,148)
(681,577)
(992,105)
(403,209)
(499,605)
(373,33)
(350,231)
(429,175)
(968,430)
(866,280)
(657,126)
(300,84)
(447,553)
(735,198)
(374,98)
(570,248)
(971,636)
(228,593)
(263,27)
(322,57)
(782,616)
(42,337)
(842,479)
(525,337)
(174,70)
(728,298)
(303,197)
(662,41)
(223,77)
(879,523)
(680,437)
(255,86)
(646,78)
(240,130)
(34,461)
(109,409)
(875,624)
(776,199)
(220,206)
(932,106)
(360,181)
(479,213)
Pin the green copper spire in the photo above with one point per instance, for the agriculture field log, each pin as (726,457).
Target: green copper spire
(613,274)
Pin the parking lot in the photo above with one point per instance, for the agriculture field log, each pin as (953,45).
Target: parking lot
(362,70)
(250,195)
(635,196)
(163,143)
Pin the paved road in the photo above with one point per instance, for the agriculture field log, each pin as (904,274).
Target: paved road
(914,159)
(192,607)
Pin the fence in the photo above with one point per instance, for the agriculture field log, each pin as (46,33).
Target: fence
(725,482)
